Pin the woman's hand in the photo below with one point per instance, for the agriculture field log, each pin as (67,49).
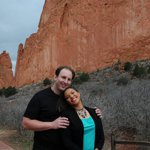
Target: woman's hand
(96,149)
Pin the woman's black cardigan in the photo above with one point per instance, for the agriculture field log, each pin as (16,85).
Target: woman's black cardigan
(72,136)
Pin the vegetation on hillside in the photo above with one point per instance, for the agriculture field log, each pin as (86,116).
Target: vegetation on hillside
(8,91)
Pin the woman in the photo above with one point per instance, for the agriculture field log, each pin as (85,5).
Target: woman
(85,131)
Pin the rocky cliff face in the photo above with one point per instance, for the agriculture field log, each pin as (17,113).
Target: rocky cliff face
(85,35)
(6,74)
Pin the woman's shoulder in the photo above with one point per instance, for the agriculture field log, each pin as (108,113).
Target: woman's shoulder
(90,109)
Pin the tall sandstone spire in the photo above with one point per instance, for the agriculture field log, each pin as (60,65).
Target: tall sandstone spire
(85,35)
(6,74)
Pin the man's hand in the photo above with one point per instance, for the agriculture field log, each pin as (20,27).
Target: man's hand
(61,122)
(98,112)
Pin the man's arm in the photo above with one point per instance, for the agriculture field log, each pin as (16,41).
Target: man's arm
(36,125)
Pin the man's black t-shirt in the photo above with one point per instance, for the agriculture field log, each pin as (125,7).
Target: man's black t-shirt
(43,107)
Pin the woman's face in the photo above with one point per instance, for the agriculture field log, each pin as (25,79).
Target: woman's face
(72,96)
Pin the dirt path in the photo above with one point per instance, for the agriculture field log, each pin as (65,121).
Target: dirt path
(4,136)
(3,146)
(11,140)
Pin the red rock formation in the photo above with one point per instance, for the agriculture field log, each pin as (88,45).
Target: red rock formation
(85,34)
(6,74)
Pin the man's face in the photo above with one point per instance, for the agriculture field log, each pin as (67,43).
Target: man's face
(63,80)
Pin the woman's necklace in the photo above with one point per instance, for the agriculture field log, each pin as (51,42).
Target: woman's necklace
(82,112)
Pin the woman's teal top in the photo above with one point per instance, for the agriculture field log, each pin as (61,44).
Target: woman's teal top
(89,133)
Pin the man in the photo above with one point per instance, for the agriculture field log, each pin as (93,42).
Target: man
(42,116)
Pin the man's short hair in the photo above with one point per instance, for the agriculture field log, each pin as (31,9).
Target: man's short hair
(58,70)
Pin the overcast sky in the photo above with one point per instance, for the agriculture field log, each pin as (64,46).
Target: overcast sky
(18,20)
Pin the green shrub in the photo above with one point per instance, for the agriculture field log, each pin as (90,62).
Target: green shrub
(10,91)
(139,71)
(2,91)
(122,81)
(148,71)
(46,81)
(76,80)
(82,77)
(127,66)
